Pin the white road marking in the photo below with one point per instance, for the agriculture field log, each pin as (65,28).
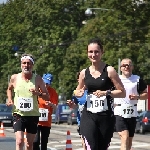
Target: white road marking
(64,133)
(115,144)
(64,145)
(9,129)
(50,148)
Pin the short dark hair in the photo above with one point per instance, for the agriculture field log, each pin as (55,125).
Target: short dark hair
(96,41)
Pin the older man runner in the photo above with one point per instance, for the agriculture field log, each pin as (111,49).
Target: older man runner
(26,87)
(126,108)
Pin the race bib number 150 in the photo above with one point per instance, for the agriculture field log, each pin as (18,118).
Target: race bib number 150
(96,104)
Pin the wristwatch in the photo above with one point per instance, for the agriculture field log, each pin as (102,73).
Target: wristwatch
(40,94)
(108,92)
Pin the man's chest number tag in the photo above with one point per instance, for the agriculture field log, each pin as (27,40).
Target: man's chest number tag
(95,104)
(43,114)
(128,110)
(25,104)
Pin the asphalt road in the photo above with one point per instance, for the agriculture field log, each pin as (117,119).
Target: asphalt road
(58,136)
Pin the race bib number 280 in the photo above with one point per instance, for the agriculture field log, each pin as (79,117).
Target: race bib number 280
(96,104)
(25,104)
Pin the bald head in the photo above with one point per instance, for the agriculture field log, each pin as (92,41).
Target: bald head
(126,60)
(126,67)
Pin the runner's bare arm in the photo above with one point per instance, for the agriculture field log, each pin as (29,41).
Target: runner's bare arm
(53,99)
(81,87)
(143,95)
(81,84)
(120,90)
(11,87)
(41,86)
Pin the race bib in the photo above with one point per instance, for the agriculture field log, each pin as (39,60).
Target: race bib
(80,109)
(25,104)
(128,110)
(43,114)
(95,104)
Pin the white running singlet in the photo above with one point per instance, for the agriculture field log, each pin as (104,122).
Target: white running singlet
(127,108)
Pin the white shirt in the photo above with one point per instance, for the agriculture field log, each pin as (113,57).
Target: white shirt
(130,85)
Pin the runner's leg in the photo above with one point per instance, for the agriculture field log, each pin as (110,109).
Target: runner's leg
(36,143)
(45,131)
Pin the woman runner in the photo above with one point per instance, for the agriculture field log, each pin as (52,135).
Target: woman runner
(103,84)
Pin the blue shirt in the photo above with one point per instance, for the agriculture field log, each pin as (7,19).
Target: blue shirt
(80,101)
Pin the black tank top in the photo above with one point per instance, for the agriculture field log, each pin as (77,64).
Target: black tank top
(103,83)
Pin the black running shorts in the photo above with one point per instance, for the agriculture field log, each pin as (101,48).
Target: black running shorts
(126,124)
(20,123)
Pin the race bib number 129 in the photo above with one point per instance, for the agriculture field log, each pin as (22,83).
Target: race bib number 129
(43,114)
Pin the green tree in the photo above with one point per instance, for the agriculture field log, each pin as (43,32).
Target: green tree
(124,33)
(53,32)
(44,29)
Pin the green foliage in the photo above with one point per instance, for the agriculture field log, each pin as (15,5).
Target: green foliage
(124,32)
(40,29)
(53,32)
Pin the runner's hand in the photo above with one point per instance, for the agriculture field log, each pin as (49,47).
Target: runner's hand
(9,103)
(49,104)
(71,103)
(99,93)
(79,93)
(46,103)
(133,97)
(34,91)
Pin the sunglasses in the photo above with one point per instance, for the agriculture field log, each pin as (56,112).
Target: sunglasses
(126,65)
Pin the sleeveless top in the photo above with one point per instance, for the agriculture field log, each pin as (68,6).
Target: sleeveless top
(131,86)
(22,91)
(103,83)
